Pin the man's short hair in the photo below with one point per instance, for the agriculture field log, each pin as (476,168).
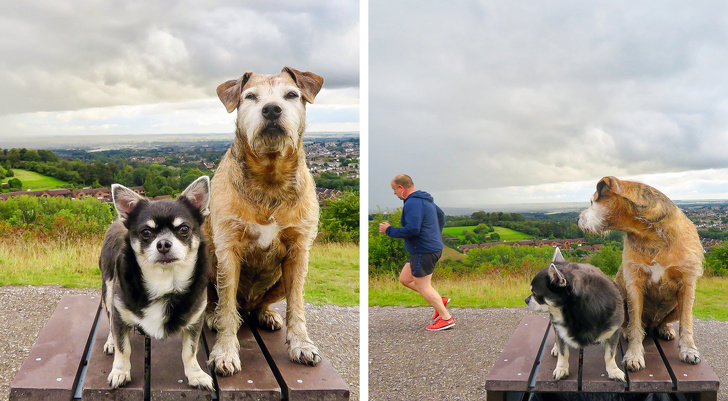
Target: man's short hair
(403,180)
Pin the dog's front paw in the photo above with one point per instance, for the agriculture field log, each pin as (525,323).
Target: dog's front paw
(666,332)
(270,319)
(634,360)
(303,352)
(119,377)
(616,374)
(201,380)
(560,373)
(224,357)
(689,354)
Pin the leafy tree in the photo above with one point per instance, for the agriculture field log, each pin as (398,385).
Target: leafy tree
(495,236)
(716,261)
(15,183)
(386,255)
(339,220)
(608,259)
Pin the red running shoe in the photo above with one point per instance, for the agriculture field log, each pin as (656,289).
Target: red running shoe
(445,301)
(442,324)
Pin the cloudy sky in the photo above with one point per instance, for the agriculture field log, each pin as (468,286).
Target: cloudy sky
(500,102)
(87,67)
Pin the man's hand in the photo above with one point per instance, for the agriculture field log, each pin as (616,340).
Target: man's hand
(383,227)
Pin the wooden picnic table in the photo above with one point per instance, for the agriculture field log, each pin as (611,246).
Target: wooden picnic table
(67,363)
(525,367)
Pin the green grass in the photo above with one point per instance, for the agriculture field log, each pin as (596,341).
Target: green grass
(711,297)
(333,274)
(36,182)
(506,234)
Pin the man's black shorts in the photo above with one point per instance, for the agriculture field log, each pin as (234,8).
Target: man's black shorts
(423,264)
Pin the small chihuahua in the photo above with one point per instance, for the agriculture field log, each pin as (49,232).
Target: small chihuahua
(154,275)
(585,308)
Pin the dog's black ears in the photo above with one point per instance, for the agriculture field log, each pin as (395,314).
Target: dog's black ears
(229,92)
(556,276)
(198,193)
(125,200)
(610,184)
(309,83)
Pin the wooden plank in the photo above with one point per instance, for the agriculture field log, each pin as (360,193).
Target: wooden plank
(545,374)
(50,372)
(168,381)
(654,378)
(256,380)
(594,377)
(300,382)
(95,385)
(515,364)
(690,378)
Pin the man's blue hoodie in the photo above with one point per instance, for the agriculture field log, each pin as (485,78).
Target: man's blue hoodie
(422,222)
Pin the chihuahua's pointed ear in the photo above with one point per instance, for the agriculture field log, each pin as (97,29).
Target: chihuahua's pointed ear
(557,256)
(556,276)
(125,200)
(229,92)
(198,193)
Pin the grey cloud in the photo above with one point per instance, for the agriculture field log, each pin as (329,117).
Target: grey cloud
(486,94)
(73,54)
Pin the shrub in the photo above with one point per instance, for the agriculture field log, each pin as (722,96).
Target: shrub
(386,255)
(339,220)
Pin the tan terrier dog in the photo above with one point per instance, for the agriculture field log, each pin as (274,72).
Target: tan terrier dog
(263,214)
(661,262)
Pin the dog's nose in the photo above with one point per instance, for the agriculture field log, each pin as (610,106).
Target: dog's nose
(271,111)
(528,300)
(163,246)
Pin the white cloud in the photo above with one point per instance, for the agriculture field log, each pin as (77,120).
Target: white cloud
(475,96)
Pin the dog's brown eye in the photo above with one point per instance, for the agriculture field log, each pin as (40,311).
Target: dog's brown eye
(250,96)
(146,233)
(184,230)
(291,95)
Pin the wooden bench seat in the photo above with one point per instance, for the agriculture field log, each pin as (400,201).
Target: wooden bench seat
(525,367)
(67,362)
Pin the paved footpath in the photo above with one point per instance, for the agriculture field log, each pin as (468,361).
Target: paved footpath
(407,362)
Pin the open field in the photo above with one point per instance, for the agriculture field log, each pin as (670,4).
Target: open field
(36,182)
(506,234)
(711,298)
(333,274)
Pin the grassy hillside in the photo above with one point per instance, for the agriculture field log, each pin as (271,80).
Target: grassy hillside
(36,182)
(333,274)
(506,234)
(711,298)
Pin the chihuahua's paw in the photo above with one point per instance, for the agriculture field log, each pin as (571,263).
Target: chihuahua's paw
(555,350)
(201,380)
(119,377)
(109,348)
(560,373)
(617,374)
